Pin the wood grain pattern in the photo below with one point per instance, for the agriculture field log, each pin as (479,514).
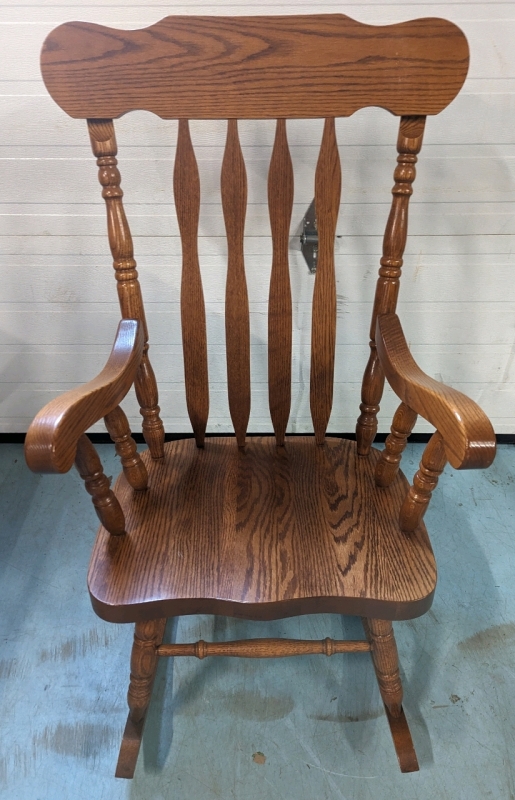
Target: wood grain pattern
(388,465)
(409,143)
(98,486)
(417,500)
(118,428)
(264,648)
(323,327)
(186,187)
(293,530)
(402,741)
(386,663)
(237,325)
(280,204)
(147,637)
(467,433)
(323,65)
(103,144)
(51,441)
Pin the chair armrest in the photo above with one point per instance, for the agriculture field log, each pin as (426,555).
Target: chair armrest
(467,432)
(51,441)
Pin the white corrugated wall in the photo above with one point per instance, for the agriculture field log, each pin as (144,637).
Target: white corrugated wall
(58,305)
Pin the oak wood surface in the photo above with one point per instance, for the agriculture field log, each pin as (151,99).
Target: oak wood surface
(118,428)
(237,324)
(417,500)
(402,741)
(386,662)
(409,143)
(323,65)
(467,433)
(323,321)
(103,144)
(264,648)
(186,188)
(386,665)
(249,528)
(51,441)
(98,485)
(147,637)
(280,204)
(265,532)
(388,465)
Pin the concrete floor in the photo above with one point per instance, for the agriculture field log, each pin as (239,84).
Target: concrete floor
(305,728)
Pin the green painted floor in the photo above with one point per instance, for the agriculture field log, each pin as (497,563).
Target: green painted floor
(306,728)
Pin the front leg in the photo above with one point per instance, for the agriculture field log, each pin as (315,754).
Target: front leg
(147,638)
(385,658)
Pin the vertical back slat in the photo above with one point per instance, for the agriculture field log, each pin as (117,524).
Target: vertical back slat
(237,327)
(323,328)
(280,203)
(186,187)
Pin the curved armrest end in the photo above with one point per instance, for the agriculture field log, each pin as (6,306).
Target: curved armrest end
(466,430)
(51,441)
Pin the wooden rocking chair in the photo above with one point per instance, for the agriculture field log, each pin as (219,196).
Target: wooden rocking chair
(259,527)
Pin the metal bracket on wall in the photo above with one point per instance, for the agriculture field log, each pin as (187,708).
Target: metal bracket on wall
(309,238)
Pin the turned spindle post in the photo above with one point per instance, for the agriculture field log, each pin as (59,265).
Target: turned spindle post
(417,500)
(133,467)
(409,142)
(380,634)
(97,484)
(148,636)
(388,465)
(103,144)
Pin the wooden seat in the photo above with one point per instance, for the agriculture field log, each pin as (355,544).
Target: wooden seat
(265,533)
(259,527)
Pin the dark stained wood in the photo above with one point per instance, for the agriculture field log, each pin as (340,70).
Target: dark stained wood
(417,500)
(147,637)
(51,441)
(409,143)
(260,531)
(280,204)
(322,65)
(98,486)
(186,187)
(264,648)
(130,747)
(237,326)
(118,428)
(388,465)
(467,433)
(323,327)
(371,393)
(103,144)
(386,662)
(294,530)
(403,742)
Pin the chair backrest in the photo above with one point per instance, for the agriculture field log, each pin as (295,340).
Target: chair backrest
(320,66)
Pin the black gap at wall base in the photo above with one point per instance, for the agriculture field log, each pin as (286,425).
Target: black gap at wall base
(103,438)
